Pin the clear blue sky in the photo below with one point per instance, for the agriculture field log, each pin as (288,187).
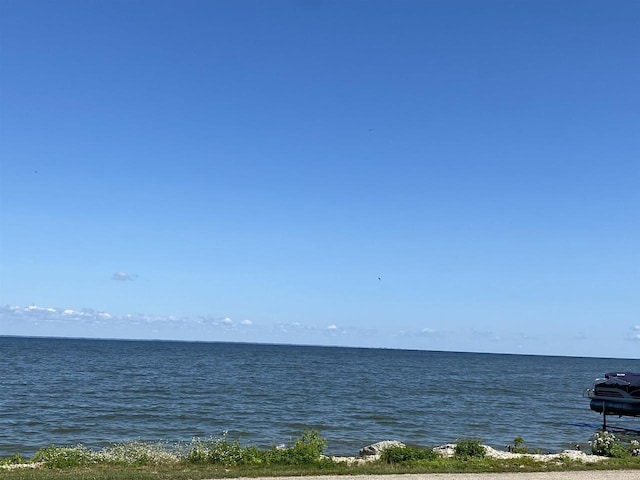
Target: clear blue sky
(442,175)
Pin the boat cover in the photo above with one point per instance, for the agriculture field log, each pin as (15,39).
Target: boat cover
(631,379)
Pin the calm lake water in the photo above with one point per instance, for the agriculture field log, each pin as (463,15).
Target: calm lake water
(97,392)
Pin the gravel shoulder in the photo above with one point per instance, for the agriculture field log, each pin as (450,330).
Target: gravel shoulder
(593,475)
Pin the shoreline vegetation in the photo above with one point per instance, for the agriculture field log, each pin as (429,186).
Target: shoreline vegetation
(225,458)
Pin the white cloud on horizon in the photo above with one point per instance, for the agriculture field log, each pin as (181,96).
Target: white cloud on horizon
(74,322)
(487,334)
(634,335)
(31,309)
(428,331)
(289,327)
(333,331)
(34,315)
(34,320)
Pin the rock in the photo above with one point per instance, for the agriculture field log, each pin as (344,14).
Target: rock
(449,451)
(377,448)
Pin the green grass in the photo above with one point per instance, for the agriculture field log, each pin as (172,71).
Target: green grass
(223,458)
(185,470)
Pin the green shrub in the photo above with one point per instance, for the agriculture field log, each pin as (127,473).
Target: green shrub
(63,457)
(197,451)
(406,454)
(128,453)
(218,451)
(469,448)
(223,452)
(14,459)
(306,450)
(136,453)
(518,446)
(607,444)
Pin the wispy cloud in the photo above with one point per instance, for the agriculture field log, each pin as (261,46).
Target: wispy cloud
(49,314)
(36,315)
(123,276)
(335,330)
(485,334)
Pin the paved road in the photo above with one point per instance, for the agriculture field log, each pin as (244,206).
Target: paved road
(592,475)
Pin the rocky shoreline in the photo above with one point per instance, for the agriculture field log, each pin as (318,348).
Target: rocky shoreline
(372,453)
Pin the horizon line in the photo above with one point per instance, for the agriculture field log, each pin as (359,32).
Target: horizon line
(275,344)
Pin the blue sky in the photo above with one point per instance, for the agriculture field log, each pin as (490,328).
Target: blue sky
(441,175)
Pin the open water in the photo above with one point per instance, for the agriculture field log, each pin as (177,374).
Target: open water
(97,392)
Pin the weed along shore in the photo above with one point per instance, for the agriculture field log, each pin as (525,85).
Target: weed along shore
(226,458)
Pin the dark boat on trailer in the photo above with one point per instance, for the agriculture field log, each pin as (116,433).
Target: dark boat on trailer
(618,393)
